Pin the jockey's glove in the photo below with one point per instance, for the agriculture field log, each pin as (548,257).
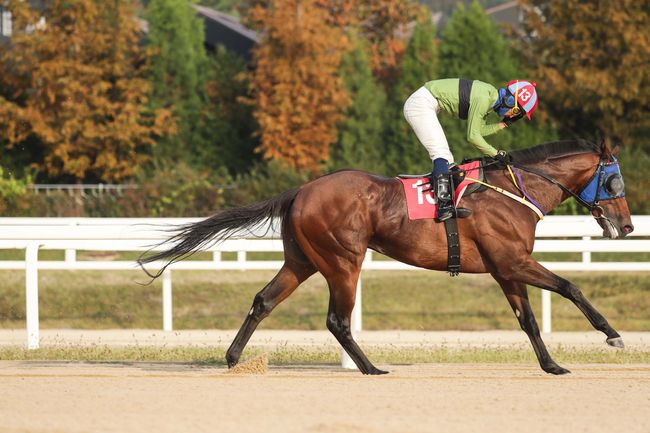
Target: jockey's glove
(503,157)
(510,120)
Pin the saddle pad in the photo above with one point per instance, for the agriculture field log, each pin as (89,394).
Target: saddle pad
(420,201)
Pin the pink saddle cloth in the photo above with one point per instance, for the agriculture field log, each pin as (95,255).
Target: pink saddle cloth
(421,203)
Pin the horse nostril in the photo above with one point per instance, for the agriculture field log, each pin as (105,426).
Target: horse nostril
(628,229)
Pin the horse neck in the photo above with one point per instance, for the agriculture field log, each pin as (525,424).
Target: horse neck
(573,171)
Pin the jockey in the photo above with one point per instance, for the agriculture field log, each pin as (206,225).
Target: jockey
(471,100)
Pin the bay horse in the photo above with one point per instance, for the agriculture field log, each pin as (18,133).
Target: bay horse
(328,223)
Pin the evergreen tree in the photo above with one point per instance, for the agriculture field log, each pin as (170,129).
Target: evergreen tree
(178,72)
(228,125)
(403,151)
(360,143)
(472,47)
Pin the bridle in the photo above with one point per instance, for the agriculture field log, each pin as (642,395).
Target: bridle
(605,184)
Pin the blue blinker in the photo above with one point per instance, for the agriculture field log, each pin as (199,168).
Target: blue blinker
(606,184)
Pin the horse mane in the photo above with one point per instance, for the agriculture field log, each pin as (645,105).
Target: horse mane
(554,149)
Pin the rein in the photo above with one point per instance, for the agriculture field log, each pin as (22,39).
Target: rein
(543,175)
(593,207)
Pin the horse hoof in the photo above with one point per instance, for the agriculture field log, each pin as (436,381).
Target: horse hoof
(616,342)
(231,361)
(376,372)
(556,369)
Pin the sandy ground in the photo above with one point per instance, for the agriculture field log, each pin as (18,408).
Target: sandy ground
(39,397)
(53,397)
(272,338)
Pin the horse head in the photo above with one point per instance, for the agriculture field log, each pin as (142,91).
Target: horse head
(606,192)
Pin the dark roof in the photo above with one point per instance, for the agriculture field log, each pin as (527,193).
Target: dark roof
(222,29)
(506,13)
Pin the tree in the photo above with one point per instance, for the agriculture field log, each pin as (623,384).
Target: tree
(73,88)
(299,94)
(419,65)
(592,59)
(231,7)
(360,143)
(472,47)
(178,72)
(382,23)
(227,123)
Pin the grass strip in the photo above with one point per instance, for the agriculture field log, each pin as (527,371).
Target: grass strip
(318,355)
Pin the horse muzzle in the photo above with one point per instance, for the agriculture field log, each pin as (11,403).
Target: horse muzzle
(614,231)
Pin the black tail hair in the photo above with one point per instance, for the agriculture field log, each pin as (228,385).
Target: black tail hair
(191,238)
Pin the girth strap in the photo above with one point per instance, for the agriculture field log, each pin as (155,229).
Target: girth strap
(453,247)
(464,92)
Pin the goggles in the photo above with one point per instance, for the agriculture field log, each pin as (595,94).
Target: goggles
(505,102)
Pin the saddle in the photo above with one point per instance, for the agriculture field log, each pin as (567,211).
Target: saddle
(463,187)
(421,203)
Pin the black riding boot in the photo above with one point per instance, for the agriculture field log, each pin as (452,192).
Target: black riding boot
(446,207)
(443,194)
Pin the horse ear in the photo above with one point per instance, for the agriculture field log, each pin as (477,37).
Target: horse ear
(604,150)
(615,150)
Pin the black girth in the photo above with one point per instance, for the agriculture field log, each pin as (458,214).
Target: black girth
(464,92)
(453,247)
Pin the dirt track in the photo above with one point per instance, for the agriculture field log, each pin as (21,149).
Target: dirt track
(39,397)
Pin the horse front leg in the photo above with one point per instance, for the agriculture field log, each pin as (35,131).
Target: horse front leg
(517,296)
(535,274)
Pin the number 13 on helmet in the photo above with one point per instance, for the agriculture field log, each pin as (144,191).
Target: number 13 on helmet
(525,95)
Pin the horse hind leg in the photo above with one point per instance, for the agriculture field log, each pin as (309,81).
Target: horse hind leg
(342,297)
(277,290)
(517,296)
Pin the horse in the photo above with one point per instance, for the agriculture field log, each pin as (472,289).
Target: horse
(328,224)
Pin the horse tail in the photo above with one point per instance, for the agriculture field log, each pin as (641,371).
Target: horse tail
(191,238)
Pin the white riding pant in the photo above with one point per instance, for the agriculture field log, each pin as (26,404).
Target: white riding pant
(421,112)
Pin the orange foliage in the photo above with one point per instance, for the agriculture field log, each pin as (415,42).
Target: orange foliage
(592,60)
(299,95)
(382,23)
(77,87)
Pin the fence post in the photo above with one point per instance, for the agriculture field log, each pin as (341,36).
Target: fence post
(31,295)
(586,255)
(355,326)
(167,300)
(546,311)
(70,254)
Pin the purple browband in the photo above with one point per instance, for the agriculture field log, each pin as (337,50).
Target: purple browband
(523,190)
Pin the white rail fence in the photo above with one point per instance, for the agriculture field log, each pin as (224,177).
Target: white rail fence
(576,234)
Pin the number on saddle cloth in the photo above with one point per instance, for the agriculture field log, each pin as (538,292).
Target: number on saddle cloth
(419,199)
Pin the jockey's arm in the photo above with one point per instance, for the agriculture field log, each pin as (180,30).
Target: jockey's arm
(476,127)
(490,128)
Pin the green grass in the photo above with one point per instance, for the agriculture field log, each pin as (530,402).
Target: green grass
(320,355)
(420,300)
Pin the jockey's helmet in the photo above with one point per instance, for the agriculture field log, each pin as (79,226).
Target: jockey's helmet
(517,93)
